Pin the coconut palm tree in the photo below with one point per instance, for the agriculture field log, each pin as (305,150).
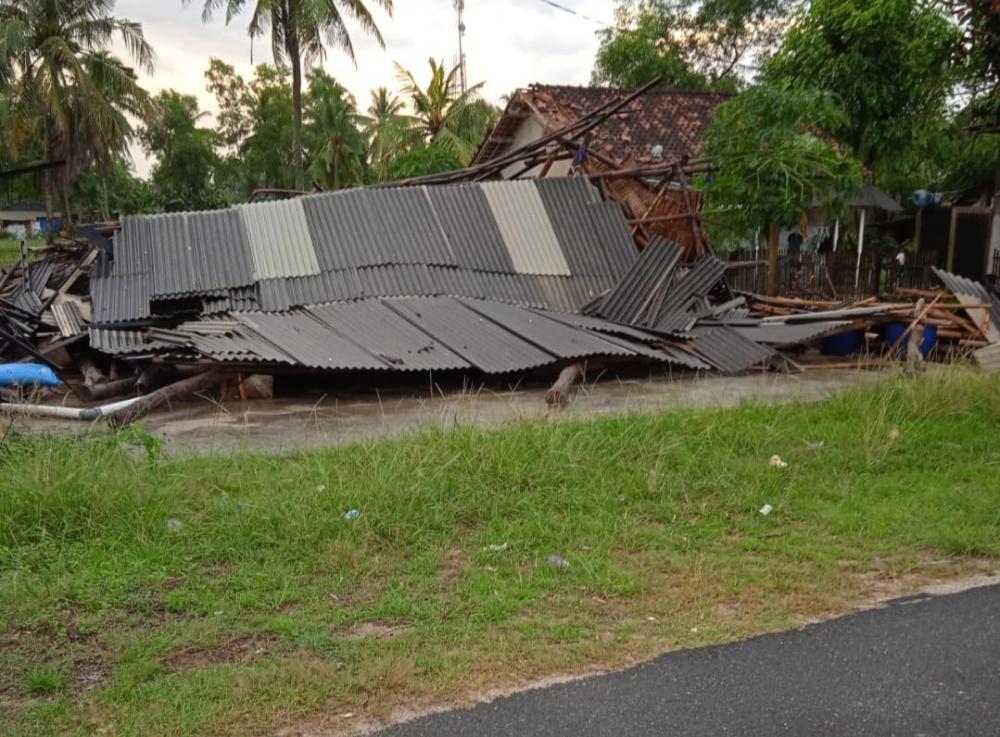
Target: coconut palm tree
(456,120)
(298,30)
(390,132)
(337,143)
(53,55)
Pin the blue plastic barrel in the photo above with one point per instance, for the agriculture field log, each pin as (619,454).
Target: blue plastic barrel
(843,344)
(894,330)
(27,374)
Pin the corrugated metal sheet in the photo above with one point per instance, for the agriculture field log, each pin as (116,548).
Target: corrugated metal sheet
(786,334)
(120,298)
(327,286)
(274,295)
(970,292)
(484,344)
(467,221)
(989,358)
(612,232)
(68,317)
(123,342)
(308,342)
(408,226)
(39,274)
(567,201)
(637,298)
(345,231)
(174,270)
(664,353)
(603,326)
(132,254)
(729,351)
(220,250)
(525,227)
(280,243)
(385,334)
(695,282)
(548,335)
(397,280)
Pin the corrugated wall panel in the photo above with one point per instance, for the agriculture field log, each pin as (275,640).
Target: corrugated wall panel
(280,243)
(220,250)
(345,230)
(640,292)
(468,223)
(525,227)
(612,232)
(408,227)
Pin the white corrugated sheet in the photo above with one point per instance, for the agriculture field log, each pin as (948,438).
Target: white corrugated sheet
(279,239)
(525,227)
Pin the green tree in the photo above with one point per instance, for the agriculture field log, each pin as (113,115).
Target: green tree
(336,144)
(773,161)
(108,195)
(298,30)
(184,174)
(432,159)
(271,144)
(390,132)
(689,44)
(457,121)
(53,55)
(235,100)
(888,62)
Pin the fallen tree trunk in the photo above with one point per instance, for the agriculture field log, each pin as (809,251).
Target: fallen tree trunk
(108,390)
(172,392)
(559,393)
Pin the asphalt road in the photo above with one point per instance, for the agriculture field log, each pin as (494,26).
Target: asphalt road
(918,667)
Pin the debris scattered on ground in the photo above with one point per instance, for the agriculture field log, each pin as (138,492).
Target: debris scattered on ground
(352,515)
(766,509)
(497,548)
(776,462)
(558,562)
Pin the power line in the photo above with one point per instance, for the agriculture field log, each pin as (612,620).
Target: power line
(563,8)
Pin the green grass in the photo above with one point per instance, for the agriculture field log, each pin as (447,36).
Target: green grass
(229,596)
(10,249)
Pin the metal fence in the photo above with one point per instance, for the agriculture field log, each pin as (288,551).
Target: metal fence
(837,275)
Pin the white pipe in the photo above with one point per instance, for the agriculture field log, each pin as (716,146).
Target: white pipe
(836,234)
(68,413)
(861,245)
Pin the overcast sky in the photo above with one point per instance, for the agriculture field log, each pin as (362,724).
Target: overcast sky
(508,44)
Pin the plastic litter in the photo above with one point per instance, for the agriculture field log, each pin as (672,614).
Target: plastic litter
(352,515)
(497,548)
(895,434)
(558,562)
(27,374)
(776,462)
(320,488)
(174,525)
(766,509)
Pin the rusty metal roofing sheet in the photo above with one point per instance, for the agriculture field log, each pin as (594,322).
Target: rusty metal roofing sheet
(308,342)
(729,351)
(384,333)
(640,293)
(525,227)
(549,335)
(280,243)
(467,221)
(481,342)
(566,201)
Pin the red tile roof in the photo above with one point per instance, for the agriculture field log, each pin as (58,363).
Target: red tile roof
(672,119)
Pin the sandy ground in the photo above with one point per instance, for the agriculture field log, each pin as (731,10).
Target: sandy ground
(205,427)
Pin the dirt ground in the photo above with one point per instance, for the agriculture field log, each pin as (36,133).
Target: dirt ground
(322,420)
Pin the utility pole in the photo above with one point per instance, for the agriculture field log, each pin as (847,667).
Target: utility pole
(460,11)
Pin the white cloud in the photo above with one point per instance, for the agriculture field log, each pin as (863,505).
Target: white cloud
(508,44)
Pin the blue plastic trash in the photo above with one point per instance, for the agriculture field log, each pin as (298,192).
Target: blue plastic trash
(27,374)
(893,331)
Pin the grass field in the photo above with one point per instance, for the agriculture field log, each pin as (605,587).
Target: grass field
(10,249)
(230,596)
